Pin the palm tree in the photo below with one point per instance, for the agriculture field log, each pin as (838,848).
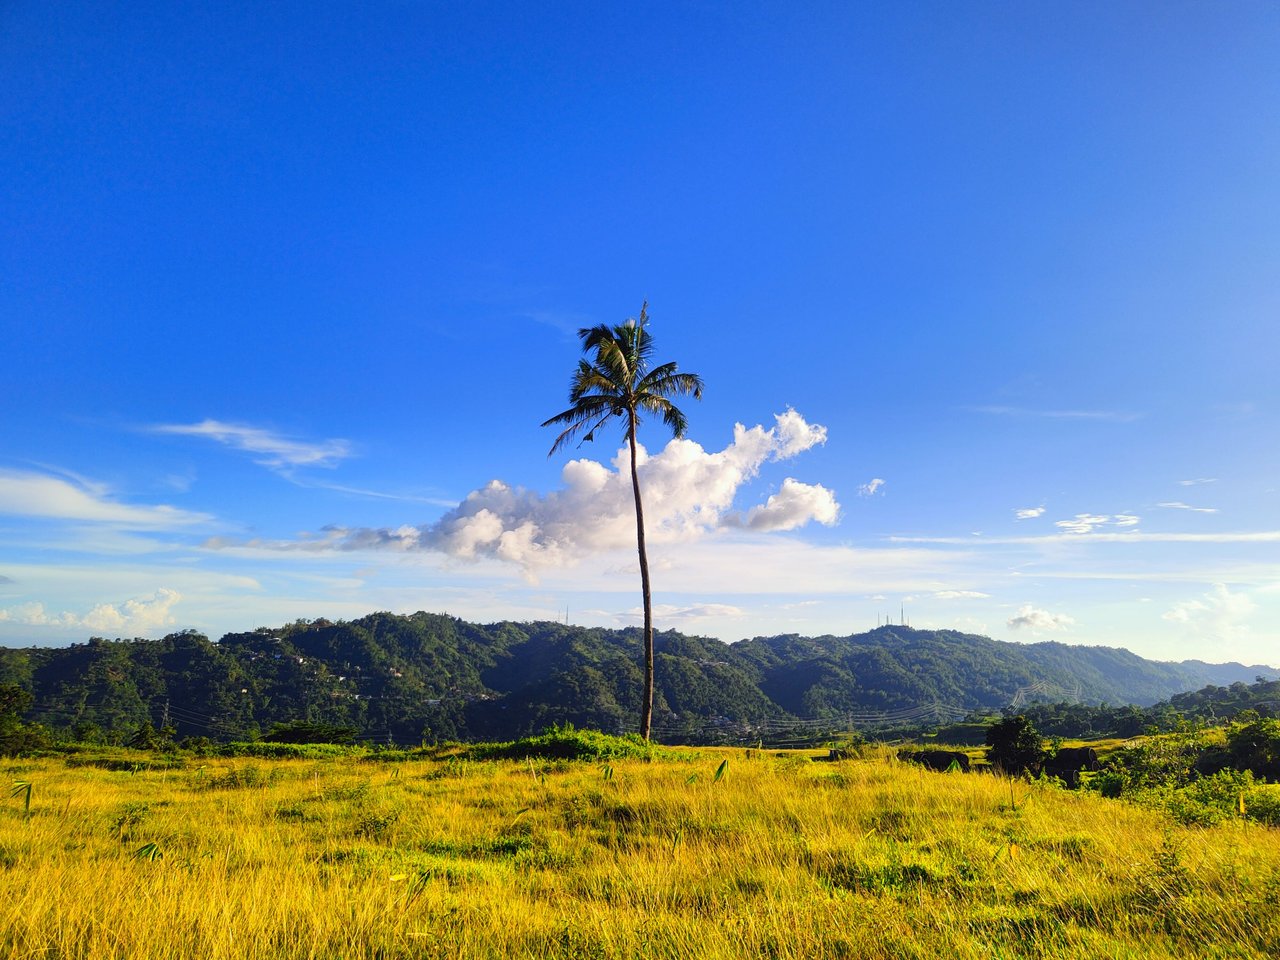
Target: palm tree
(617,379)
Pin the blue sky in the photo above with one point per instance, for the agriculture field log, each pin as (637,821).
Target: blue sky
(989,290)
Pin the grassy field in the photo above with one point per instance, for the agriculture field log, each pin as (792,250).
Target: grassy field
(778,857)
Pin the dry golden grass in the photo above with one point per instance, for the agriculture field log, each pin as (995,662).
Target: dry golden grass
(780,858)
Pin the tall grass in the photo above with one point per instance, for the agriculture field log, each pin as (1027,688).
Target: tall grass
(777,857)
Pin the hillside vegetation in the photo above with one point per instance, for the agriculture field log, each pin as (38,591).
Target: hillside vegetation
(719,853)
(432,678)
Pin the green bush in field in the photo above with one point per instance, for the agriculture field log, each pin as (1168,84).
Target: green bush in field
(1014,745)
(284,751)
(1210,800)
(566,743)
(1263,804)
(1256,746)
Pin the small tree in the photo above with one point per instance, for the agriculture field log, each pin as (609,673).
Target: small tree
(1256,746)
(17,737)
(1014,746)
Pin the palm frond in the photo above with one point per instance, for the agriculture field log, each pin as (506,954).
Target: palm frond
(671,415)
(615,377)
(575,428)
(665,381)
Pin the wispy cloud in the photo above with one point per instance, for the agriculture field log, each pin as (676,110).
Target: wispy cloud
(567,322)
(871,487)
(1178,505)
(1197,482)
(669,613)
(377,494)
(1036,620)
(1083,523)
(139,615)
(1028,513)
(30,494)
(688,493)
(1116,416)
(960,595)
(1216,615)
(1256,536)
(274,450)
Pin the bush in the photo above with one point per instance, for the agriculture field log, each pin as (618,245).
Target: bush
(1014,746)
(1210,800)
(303,731)
(1263,805)
(565,743)
(1256,747)
(300,751)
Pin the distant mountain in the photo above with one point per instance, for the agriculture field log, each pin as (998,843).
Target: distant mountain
(434,677)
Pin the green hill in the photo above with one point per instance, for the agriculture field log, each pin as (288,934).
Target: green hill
(434,677)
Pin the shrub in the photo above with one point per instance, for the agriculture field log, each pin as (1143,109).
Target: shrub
(1256,747)
(1014,746)
(1263,805)
(566,743)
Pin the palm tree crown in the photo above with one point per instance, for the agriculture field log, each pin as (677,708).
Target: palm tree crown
(616,378)
(617,382)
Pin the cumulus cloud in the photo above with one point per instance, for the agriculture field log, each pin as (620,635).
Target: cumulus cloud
(793,506)
(29,494)
(1028,513)
(1035,619)
(1216,615)
(1083,523)
(139,615)
(960,595)
(870,488)
(276,451)
(688,492)
(1179,505)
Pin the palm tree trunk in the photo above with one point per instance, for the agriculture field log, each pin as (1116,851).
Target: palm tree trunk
(646,706)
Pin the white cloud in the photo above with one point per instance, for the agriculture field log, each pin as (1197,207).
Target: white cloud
(688,493)
(960,595)
(28,494)
(139,615)
(1249,536)
(669,613)
(1083,523)
(793,506)
(1197,482)
(278,452)
(1178,505)
(1035,619)
(1216,615)
(1028,513)
(870,488)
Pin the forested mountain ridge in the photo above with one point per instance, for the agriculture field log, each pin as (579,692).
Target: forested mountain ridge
(431,676)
